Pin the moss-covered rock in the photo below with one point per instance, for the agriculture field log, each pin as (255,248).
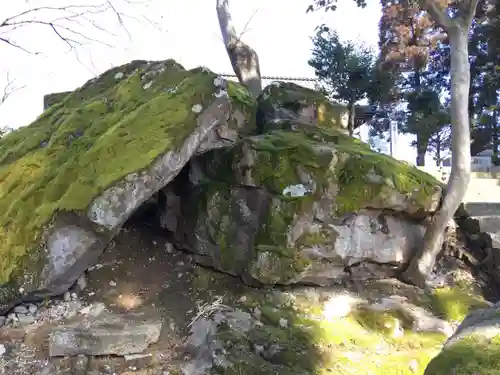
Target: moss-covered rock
(472,355)
(70,179)
(302,206)
(474,348)
(281,102)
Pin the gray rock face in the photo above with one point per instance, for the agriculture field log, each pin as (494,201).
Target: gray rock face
(106,334)
(72,246)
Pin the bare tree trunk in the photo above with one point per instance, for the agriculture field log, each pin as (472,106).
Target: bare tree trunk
(244,59)
(421,150)
(352,118)
(423,263)
(438,152)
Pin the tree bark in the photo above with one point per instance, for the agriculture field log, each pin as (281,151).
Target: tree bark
(244,59)
(352,118)
(494,139)
(422,264)
(438,151)
(421,151)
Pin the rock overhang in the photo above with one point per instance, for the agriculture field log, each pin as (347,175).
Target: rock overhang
(90,160)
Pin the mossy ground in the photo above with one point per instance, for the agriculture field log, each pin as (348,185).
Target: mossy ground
(97,135)
(455,303)
(318,343)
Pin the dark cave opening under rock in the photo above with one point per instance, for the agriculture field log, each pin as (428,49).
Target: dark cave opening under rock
(164,213)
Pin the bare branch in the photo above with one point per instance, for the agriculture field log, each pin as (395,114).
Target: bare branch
(119,17)
(437,13)
(9,89)
(246,29)
(471,11)
(15,45)
(68,23)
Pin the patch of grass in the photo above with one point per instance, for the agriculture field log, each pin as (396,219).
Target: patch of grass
(454,303)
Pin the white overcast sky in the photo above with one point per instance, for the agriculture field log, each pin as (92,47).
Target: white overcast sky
(279,30)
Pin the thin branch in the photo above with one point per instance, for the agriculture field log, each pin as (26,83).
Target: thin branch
(62,22)
(119,17)
(245,29)
(41,9)
(15,45)
(437,13)
(471,11)
(9,89)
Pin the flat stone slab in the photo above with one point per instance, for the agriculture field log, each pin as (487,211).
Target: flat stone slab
(106,334)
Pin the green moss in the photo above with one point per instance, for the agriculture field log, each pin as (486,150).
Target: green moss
(240,93)
(298,334)
(278,260)
(278,156)
(337,167)
(469,356)
(296,337)
(216,202)
(381,321)
(366,176)
(363,176)
(96,136)
(455,303)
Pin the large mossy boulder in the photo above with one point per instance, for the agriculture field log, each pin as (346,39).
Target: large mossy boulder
(309,205)
(70,180)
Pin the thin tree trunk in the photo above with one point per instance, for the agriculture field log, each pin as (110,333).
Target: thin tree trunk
(352,118)
(494,139)
(244,59)
(421,151)
(423,263)
(438,151)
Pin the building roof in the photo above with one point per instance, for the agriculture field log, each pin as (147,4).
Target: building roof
(487,152)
